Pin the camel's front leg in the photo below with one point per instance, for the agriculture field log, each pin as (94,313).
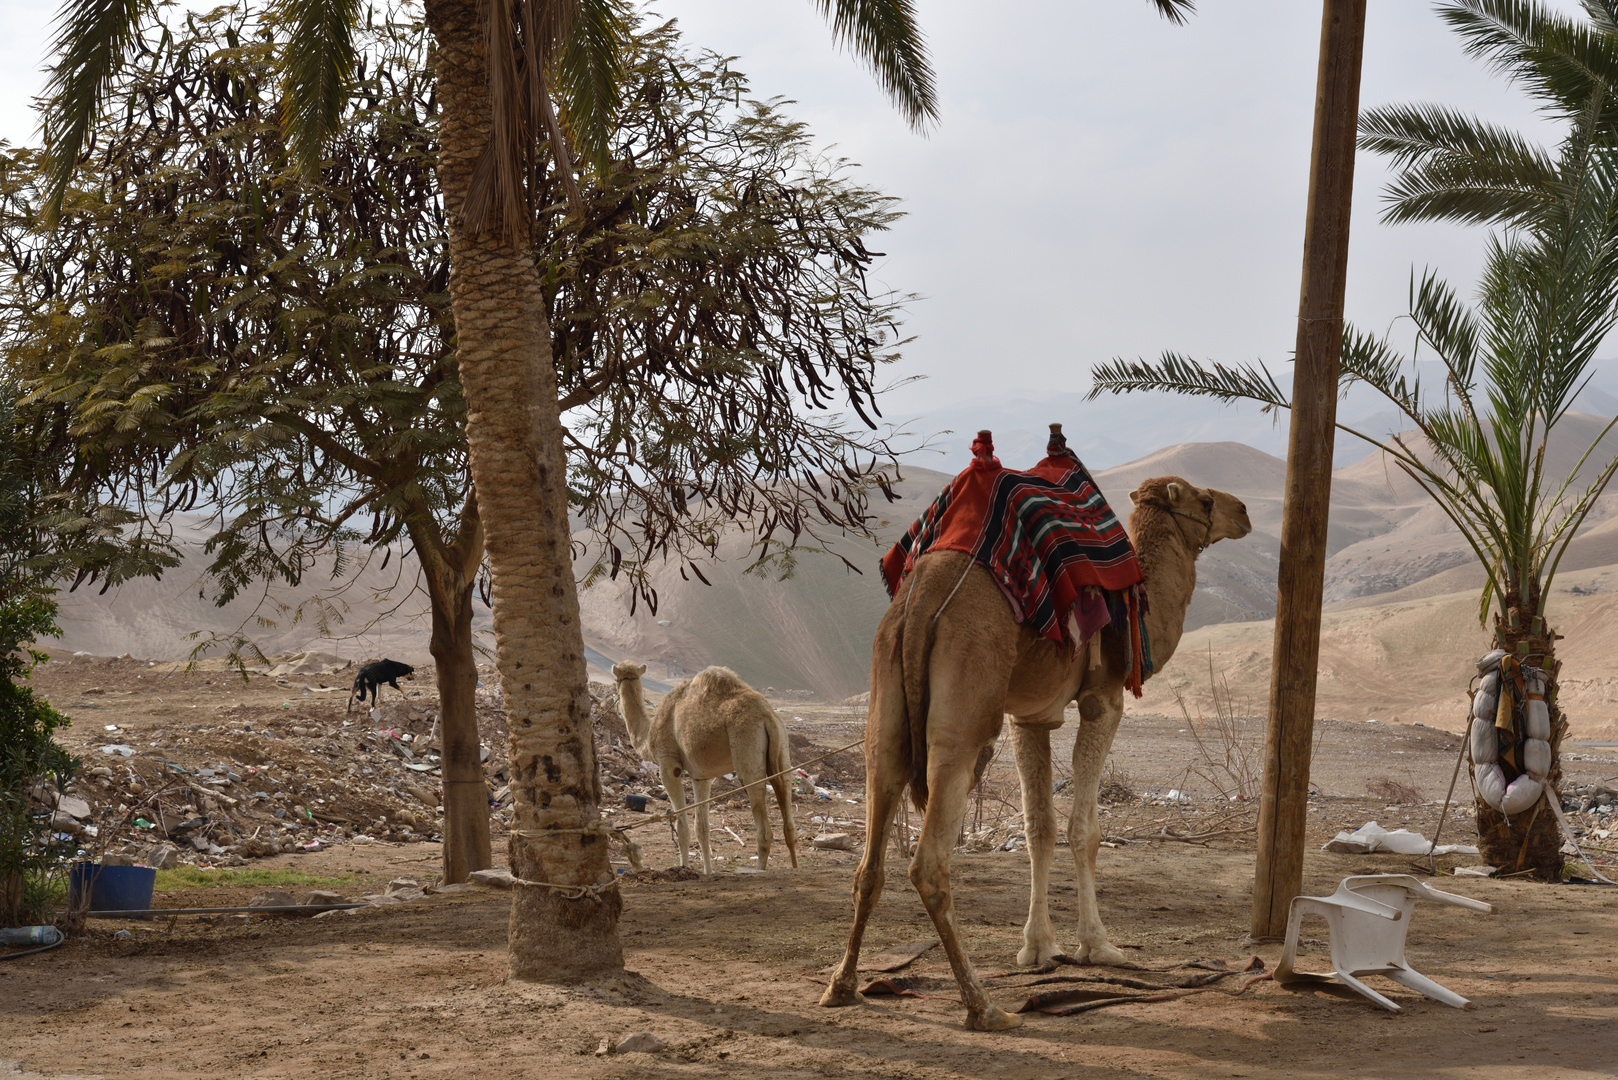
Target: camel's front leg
(887,768)
(1098,724)
(701,789)
(950,785)
(1032,745)
(674,786)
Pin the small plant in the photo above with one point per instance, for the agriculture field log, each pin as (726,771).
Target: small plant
(1393,791)
(1228,751)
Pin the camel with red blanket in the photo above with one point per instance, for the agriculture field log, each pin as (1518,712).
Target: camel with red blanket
(951,660)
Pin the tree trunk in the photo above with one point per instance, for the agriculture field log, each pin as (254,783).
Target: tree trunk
(1529,844)
(514,436)
(450,572)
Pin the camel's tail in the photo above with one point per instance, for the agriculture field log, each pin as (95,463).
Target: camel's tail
(778,762)
(914,651)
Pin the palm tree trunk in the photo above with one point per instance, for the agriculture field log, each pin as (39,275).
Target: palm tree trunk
(1529,844)
(514,435)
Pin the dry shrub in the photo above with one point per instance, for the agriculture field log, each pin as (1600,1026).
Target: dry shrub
(1230,744)
(1116,786)
(1392,791)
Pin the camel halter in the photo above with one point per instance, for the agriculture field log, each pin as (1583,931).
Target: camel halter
(1207,527)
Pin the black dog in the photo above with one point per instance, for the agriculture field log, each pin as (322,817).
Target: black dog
(373,675)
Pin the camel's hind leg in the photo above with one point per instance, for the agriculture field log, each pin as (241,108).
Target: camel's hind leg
(1033,748)
(701,789)
(759,799)
(1098,724)
(887,769)
(949,783)
(674,787)
(783,801)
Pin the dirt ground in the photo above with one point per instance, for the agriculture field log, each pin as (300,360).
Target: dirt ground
(723,968)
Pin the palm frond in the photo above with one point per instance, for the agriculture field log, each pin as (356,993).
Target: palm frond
(93,40)
(1175,11)
(1177,373)
(886,35)
(588,75)
(1452,167)
(1557,59)
(317,68)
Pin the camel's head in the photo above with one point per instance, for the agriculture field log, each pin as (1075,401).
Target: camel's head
(1204,515)
(628,670)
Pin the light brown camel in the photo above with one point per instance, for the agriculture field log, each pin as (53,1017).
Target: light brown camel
(981,666)
(705,727)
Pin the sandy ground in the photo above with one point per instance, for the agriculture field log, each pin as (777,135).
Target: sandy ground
(722,968)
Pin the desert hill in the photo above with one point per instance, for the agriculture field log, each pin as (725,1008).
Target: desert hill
(1401,588)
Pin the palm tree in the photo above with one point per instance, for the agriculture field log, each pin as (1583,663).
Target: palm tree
(1512,364)
(503,68)
(1451,166)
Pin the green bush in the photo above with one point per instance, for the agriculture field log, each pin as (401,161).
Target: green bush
(30,859)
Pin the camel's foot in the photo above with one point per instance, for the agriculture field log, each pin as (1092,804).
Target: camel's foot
(1039,955)
(836,997)
(1103,953)
(993,1018)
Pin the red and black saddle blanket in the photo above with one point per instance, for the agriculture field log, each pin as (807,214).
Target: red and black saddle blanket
(1049,540)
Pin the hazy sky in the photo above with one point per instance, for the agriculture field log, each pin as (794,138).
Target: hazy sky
(1101,181)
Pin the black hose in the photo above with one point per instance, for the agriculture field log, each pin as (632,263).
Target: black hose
(60,937)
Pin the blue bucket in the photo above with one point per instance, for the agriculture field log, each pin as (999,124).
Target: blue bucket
(111,888)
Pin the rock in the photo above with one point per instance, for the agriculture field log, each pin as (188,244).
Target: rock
(63,822)
(73,805)
(837,841)
(496,878)
(163,857)
(340,911)
(642,1042)
(438,890)
(404,889)
(110,859)
(273,898)
(321,896)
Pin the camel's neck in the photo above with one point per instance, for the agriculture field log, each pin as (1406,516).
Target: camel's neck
(632,707)
(1170,565)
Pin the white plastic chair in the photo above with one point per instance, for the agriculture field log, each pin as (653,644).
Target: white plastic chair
(1368,917)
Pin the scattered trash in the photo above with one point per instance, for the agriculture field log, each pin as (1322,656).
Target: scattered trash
(118,750)
(1372,838)
(635,801)
(1476,871)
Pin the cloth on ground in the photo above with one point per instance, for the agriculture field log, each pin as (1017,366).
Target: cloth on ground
(1049,540)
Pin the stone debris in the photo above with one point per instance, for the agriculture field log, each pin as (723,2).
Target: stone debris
(642,1042)
(496,878)
(837,841)
(273,898)
(320,896)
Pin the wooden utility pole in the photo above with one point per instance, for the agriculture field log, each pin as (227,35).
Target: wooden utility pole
(1283,810)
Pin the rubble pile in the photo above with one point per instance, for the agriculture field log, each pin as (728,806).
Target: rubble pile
(1592,812)
(261,780)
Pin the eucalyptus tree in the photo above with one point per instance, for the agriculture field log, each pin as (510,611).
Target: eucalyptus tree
(1512,365)
(217,330)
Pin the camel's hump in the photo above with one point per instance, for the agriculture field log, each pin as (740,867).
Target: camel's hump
(718,679)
